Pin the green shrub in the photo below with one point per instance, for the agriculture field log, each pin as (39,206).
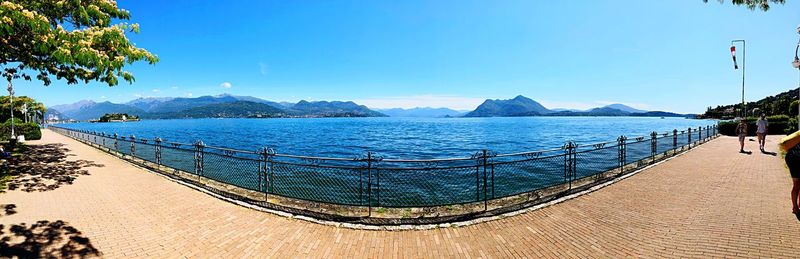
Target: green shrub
(778,118)
(30,130)
(780,125)
(791,126)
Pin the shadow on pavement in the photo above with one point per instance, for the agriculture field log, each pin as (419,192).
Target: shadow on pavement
(44,239)
(8,209)
(45,167)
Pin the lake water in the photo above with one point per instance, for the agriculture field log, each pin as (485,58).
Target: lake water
(411,138)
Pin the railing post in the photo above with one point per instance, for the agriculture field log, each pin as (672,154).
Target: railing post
(158,151)
(699,134)
(104,139)
(264,170)
(116,143)
(708,132)
(689,143)
(621,152)
(133,146)
(484,158)
(674,141)
(198,158)
(270,171)
(653,146)
(477,176)
(569,163)
(369,184)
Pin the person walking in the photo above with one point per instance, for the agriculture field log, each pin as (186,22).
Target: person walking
(789,144)
(761,130)
(741,131)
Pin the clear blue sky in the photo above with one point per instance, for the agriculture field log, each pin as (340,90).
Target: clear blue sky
(657,55)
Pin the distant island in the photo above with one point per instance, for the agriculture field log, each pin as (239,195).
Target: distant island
(523,106)
(422,112)
(220,106)
(231,106)
(118,117)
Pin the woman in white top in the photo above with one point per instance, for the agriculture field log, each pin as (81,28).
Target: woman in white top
(761,131)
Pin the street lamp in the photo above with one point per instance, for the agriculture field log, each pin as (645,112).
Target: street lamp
(735,66)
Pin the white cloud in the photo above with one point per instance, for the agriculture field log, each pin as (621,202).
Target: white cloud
(156,90)
(103,97)
(174,87)
(226,85)
(188,94)
(262,68)
(434,101)
(137,95)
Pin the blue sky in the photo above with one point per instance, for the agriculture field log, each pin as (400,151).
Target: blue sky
(657,55)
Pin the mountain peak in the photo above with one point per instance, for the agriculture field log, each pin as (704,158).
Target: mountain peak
(518,106)
(521,98)
(624,108)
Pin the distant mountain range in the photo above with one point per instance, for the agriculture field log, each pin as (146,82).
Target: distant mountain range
(422,112)
(221,106)
(523,106)
(231,106)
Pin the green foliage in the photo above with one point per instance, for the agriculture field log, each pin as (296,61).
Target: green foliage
(16,121)
(238,109)
(34,41)
(781,104)
(791,126)
(19,101)
(779,124)
(118,117)
(30,130)
(753,4)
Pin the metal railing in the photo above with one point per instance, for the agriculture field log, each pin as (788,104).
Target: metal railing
(371,181)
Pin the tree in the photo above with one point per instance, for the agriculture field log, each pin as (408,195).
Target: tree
(19,101)
(752,4)
(72,40)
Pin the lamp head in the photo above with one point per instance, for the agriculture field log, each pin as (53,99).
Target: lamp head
(796,63)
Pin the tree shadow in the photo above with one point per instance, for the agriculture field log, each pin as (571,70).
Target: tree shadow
(8,209)
(45,168)
(45,239)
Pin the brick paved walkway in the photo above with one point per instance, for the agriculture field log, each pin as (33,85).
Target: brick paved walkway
(711,201)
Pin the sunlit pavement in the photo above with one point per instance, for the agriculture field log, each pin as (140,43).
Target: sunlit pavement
(712,201)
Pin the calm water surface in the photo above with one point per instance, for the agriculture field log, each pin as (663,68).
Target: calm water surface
(413,138)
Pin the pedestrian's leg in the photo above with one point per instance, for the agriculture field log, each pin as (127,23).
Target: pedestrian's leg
(741,144)
(795,192)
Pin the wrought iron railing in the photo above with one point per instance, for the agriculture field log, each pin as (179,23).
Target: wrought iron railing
(371,181)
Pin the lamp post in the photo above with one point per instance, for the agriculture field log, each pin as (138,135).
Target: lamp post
(25,111)
(796,65)
(735,66)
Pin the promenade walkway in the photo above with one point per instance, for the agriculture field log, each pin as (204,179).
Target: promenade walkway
(712,201)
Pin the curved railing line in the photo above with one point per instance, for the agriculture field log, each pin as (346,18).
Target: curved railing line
(372,181)
(189,147)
